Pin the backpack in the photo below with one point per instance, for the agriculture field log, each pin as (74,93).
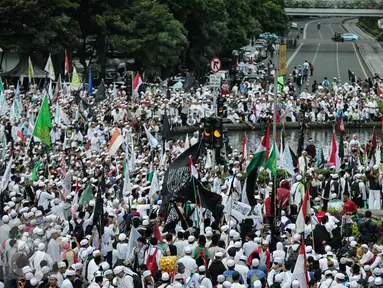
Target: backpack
(295,73)
(201,256)
(326,83)
(137,283)
(78,230)
(293,256)
(355,191)
(151,262)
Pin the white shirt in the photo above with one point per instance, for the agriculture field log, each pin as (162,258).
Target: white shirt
(66,284)
(189,263)
(44,198)
(249,247)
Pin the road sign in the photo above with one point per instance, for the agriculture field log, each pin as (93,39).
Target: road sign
(215,64)
(215,81)
(282,60)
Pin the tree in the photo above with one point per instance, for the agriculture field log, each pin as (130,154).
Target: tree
(151,35)
(242,25)
(270,14)
(44,25)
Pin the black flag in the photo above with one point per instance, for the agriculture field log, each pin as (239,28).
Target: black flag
(99,213)
(173,216)
(177,179)
(208,199)
(165,127)
(189,83)
(301,140)
(100,93)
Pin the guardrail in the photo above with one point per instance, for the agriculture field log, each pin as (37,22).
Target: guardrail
(334,12)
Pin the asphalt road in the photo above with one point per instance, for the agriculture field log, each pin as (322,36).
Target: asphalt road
(330,59)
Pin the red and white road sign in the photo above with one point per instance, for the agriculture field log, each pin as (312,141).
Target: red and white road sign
(215,64)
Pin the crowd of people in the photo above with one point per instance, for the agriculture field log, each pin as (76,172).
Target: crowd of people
(54,235)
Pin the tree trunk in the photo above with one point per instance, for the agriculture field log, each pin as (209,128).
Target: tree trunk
(101,53)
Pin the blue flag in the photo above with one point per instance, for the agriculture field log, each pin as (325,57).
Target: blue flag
(90,86)
(318,156)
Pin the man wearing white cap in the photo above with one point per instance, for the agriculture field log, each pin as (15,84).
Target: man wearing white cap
(61,273)
(123,280)
(188,261)
(297,192)
(39,256)
(68,282)
(367,255)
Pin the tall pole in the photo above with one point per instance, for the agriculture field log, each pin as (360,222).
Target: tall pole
(275,132)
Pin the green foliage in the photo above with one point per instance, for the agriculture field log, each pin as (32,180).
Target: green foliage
(380,106)
(264,178)
(158,34)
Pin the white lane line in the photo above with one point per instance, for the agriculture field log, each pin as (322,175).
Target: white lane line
(332,31)
(305,29)
(360,62)
(320,35)
(313,61)
(337,62)
(294,54)
(316,53)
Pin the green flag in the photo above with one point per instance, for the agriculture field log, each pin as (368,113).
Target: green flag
(35,169)
(280,84)
(272,161)
(86,196)
(1,86)
(43,124)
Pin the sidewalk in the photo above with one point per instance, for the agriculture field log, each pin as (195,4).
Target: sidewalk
(370,51)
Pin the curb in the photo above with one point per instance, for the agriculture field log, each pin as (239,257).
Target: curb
(368,65)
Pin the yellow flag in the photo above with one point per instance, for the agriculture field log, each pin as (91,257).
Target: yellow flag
(31,74)
(50,69)
(75,80)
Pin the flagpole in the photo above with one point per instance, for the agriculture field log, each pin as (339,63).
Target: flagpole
(275,134)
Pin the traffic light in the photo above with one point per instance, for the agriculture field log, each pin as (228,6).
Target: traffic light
(207,134)
(218,133)
(220,107)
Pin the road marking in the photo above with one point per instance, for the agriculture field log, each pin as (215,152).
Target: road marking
(337,62)
(360,62)
(332,31)
(294,54)
(320,35)
(315,57)
(305,29)
(316,53)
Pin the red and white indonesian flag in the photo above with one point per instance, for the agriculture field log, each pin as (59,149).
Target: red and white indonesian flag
(115,142)
(300,270)
(244,148)
(334,158)
(193,170)
(137,82)
(305,210)
(21,136)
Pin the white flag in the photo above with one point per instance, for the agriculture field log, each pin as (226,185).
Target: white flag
(153,143)
(57,114)
(288,160)
(67,183)
(7,175)
(50,69)
(187,143)
(154,185)
(134,235)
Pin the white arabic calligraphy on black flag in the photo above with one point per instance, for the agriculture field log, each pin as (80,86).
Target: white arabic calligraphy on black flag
(177,179)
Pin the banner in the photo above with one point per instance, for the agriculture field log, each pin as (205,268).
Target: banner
(282,60)
(239,210)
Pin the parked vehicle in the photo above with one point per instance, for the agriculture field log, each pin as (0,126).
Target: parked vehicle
(268,35)
(350,37)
